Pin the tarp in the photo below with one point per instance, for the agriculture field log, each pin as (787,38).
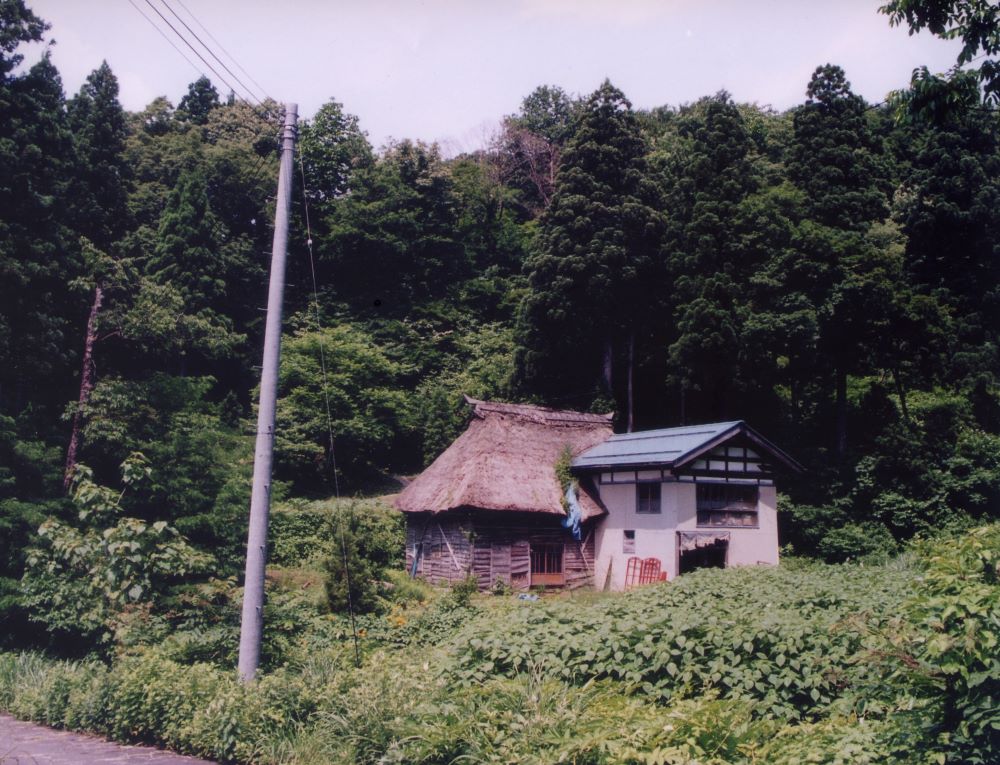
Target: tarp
(694,540)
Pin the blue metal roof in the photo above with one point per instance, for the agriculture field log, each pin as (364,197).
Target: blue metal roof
(653,447)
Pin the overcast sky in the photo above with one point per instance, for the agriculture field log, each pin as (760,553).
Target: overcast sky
(448,70)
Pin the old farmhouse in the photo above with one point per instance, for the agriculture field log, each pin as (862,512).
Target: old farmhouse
(647,505)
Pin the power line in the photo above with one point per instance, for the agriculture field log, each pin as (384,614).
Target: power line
(187,42)
(165,37)
(326,399)
(211,52)
(228,54)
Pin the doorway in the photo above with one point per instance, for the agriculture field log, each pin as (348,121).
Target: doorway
(547,565)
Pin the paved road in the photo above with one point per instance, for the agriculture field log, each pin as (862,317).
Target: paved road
(24,743)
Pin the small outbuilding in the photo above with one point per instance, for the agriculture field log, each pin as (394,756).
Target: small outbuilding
(647,505)
(491,504)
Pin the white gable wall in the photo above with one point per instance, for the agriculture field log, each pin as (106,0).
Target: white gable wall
(656,534)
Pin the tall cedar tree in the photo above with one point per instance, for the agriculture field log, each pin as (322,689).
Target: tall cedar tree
(708,263)
(201,99)
(38,258)
(186,259)
(835,162)
(184,255)
(593,275)
(951,216)
(100,129)
(100,211)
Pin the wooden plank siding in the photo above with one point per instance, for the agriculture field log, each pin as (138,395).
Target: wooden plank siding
(492,546)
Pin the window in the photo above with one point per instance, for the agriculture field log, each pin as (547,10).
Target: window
(647,498)
(547,564)
(722,504)
(628,541)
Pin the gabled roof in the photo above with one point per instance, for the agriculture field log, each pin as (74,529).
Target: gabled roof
(505,460)
(673,447)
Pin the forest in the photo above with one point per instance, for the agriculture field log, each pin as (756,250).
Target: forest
(829,273)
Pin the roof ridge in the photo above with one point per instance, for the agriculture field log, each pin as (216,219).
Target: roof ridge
(537,413)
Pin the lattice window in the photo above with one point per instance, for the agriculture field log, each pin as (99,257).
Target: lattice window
(722,504)
(547,564)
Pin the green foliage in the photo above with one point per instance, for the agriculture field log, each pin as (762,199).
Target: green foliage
(462,592)
(201,99)
(351,580)
(856,540)
(782,639)
(594,257)
(977,25)
(78,579)
(562,467)
(333,149)
(944,651)
(366,407)
(891,663)
(359,542)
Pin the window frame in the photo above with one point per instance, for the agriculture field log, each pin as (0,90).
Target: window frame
(723,512)
(628,541)
(542,556)
(641,502)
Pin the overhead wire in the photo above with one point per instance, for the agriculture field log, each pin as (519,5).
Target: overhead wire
(228,54)
(165,37)
(188,43)
(326,401)
(212,53)
(264,112)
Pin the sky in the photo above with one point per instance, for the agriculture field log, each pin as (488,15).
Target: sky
(449,70)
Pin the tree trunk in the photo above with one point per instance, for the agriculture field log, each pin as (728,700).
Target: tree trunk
(841,412)
(901,392)
(87,381)
(683,398)
(631,369)
(607,367)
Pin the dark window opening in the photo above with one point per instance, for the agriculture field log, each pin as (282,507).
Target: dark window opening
(628,542)
(647,498)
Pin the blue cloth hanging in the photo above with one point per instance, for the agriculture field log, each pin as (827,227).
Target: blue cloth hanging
(575,514)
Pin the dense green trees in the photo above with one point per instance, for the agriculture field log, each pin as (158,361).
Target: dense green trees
(596,257)
(828,273)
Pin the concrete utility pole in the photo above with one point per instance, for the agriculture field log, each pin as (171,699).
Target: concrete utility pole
(252,624)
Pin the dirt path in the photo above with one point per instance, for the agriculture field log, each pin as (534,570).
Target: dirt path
(24,743)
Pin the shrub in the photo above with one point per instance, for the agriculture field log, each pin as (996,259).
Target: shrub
(946,652)
(352,581)
(462,591)
(857,540)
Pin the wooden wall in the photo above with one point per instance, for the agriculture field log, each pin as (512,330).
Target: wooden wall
(493,545)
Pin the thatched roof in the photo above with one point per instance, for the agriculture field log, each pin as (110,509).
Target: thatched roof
(505,460)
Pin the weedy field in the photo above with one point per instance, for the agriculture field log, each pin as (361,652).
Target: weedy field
(897,662)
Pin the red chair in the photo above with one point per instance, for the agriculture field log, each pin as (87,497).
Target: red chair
(639,572)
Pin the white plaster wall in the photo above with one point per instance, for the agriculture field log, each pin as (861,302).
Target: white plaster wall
(748,547)
(656,537)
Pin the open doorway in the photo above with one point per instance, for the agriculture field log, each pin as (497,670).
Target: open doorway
(547,565)
(702,550)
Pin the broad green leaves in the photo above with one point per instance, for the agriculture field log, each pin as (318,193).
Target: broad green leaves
(78,580)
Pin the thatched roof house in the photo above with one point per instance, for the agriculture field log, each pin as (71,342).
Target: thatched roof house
(491,503)
(494,464)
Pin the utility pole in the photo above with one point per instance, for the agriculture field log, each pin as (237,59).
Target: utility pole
(252,624)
